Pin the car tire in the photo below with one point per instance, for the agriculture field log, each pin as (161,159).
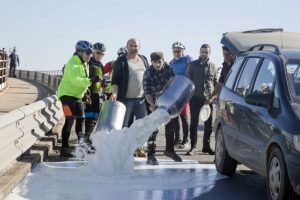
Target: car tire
(224,163)
(278,183)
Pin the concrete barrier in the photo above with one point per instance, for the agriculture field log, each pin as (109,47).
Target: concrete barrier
(49,79)
(21,128)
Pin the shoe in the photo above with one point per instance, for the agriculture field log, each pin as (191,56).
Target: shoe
(151,160)
(208,150)
(65,152)
(184,146)
(177,144)
(173,155)
(139,153)
(192,152)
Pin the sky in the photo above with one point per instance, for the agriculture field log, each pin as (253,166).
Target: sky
(45,32)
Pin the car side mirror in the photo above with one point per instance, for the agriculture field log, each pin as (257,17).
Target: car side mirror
(260,99)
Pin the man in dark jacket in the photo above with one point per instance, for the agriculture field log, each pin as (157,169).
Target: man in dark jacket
(229,59)
(127,82)
(93,107)
(203,74)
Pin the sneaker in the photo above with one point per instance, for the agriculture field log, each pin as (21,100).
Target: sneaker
(177,144)
(139,153)
(208,150)
(192,152)
(65,152)
(184,146)
(173,155)
(151,160)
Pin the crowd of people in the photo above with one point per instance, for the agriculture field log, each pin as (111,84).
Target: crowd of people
(135,82)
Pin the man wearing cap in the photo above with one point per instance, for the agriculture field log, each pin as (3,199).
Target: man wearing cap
(155,79)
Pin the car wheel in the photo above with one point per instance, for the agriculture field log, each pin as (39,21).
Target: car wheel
(224,163)
(278,183)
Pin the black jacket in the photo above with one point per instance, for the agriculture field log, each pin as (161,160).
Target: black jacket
(121,73)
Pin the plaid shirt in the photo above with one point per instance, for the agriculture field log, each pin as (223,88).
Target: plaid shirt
(154,81)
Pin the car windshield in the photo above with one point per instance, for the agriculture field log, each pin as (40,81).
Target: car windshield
(293,76)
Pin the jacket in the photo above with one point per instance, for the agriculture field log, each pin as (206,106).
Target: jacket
(75,79)
(204,76)
(121,74)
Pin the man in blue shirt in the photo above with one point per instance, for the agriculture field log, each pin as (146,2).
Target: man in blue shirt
(179,65)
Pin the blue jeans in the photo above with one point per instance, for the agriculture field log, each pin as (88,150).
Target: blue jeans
(134,106)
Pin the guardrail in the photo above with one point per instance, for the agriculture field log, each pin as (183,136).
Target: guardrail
(21,128)
(50,80)
(3,74)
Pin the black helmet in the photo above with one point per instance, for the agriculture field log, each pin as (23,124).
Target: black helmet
(83,45)
(99,46)
(122,51)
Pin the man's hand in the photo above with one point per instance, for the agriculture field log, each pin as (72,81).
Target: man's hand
(209,101)
(113,97)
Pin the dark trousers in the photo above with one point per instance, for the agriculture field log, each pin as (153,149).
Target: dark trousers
(76,107)
(92,114)
(12,71)
(170,134)
(196,104)
(185,128)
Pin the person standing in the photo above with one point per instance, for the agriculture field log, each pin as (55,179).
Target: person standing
(127,82)
(13,63)
(108,69)
(155,80)
(93,108)
(179,65)
(229,59)
(203,74)
(74,84)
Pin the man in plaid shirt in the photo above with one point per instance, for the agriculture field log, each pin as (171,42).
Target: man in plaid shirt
(155,80)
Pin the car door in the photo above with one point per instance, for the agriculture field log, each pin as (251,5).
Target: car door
(225,107)
(239,109)
(256,129)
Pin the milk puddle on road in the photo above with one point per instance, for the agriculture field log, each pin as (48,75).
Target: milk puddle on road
(112,173)
(77,181)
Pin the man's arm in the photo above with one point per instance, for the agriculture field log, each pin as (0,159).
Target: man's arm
(150,100)
(116,78)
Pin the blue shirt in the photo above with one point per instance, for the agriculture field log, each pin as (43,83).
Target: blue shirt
(180,66)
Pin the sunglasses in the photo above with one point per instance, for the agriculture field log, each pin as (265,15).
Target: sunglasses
(99,53)
(204,52)
(176,51)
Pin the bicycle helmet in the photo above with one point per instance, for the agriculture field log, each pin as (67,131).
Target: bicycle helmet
(122,51)
(178,45)
(99,46)
(83,45)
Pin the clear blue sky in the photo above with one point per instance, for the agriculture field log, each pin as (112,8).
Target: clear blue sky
(46,31)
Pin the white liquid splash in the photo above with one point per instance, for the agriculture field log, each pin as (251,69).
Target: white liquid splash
(114,149)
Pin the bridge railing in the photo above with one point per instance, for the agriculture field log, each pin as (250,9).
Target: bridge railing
(21,128)
(50,79)
(3,73)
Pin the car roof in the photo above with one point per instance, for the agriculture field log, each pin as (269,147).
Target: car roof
(239,42)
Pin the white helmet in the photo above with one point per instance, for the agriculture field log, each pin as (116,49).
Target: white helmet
(122,51)
(178,45)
